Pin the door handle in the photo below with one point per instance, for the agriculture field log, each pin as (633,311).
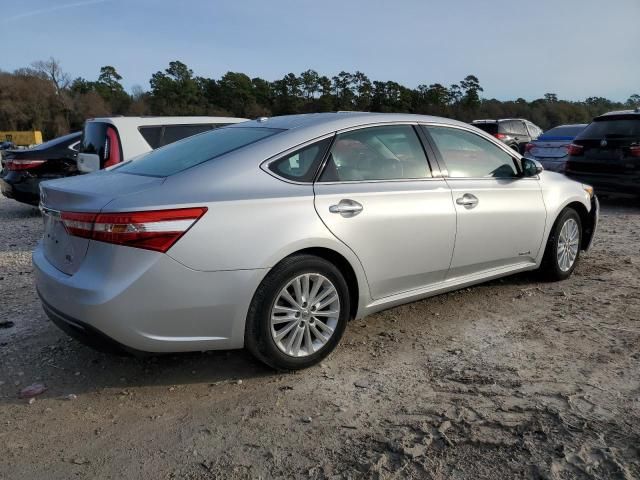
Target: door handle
(346,208)
(468,201)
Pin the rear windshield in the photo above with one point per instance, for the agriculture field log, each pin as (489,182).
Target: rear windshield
(564,132)
(57,141)
(491,128)
(93,138)
(612,128)
(193,151)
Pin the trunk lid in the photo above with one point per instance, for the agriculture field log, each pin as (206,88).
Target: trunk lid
(550,149)
(609,156)
(86,193)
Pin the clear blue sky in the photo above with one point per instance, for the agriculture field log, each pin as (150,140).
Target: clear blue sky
(575,48)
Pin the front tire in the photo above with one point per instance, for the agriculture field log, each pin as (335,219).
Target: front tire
(298,313)
(563,246)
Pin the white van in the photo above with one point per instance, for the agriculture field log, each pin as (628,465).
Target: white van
(110,140)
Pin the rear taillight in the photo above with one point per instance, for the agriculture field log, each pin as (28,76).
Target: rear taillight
(23,164)
(154,230)
(78,224)
(575,150)
(500,136)
(111,148)
(634,150)
(528,147)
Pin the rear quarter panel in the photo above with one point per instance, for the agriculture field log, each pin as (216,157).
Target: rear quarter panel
(253,220)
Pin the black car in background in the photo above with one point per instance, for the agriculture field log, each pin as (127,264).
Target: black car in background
(515,132)
(23,170)
(606,154)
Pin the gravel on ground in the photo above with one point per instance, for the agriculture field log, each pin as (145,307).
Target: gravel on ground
(516,378)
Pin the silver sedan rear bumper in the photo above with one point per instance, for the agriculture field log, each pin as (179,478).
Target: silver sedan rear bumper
(155,304)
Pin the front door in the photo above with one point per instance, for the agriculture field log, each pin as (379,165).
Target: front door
(501,215)
(377,195)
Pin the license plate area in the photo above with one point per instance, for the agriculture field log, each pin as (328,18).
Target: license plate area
(63,251)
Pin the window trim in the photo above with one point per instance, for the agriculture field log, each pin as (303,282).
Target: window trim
(517,160)
(436,173)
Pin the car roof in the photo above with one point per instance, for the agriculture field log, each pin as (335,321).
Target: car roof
(164,120)
(489,120)
(621,112)
(334,121)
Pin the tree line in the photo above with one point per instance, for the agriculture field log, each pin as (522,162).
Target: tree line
(44,97)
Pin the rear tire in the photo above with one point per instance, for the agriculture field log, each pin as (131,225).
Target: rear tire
(562,252)
(290,325)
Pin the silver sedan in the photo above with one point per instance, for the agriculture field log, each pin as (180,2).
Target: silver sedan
(273,234)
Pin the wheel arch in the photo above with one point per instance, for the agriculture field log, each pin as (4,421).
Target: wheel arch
(586,221)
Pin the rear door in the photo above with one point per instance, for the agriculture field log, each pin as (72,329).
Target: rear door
(500,216)
(378,195)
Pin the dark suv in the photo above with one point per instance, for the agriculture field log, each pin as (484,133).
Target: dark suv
(515,132)
(606,154)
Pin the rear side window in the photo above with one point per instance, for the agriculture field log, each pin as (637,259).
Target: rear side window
(515,127)
(468,155)
(615,127)
(173,133)
(301,165)
(152,135)
(193,151)
(520,128)
(377,153)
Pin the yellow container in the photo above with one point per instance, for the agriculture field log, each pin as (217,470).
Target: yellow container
(23,139)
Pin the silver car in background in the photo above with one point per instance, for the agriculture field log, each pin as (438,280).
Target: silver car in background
(272,234)
(551,149)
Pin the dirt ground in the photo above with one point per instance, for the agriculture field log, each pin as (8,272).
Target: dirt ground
(513,379)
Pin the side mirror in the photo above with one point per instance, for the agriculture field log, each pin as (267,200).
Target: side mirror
(530,167)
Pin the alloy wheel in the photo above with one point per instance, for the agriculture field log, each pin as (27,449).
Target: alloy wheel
(305,315)
(568,244)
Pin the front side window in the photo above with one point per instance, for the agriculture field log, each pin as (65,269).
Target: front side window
(301,165)
(193,151)
(391,152)
(467,155)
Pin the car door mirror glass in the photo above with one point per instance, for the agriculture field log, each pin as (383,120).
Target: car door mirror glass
(530,168)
